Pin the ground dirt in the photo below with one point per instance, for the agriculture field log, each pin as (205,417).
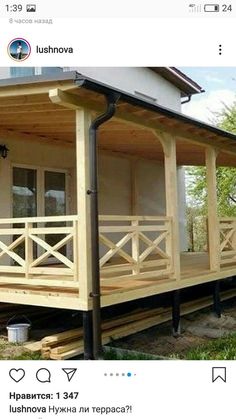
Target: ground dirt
(197,329)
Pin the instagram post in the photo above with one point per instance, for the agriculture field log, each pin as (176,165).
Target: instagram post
(117,210)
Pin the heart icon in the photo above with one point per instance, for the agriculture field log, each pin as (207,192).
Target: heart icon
(17,375)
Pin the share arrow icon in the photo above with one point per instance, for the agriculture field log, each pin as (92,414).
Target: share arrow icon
(70,372)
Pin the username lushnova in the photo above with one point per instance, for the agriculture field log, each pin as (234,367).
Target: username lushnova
(54,50)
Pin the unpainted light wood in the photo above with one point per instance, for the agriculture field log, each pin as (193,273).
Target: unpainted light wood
(83,122)
(227,229)
(139,261)
(172,243)
(213,222)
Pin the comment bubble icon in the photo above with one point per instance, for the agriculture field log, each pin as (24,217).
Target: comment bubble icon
(43,375)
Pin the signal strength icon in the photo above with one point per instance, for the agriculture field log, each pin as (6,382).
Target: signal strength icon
(195,8)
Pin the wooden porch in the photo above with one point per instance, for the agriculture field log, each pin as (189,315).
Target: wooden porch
(140,254)
(136,261)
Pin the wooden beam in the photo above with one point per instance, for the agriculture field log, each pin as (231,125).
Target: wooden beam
(35,89)
(83,121)
(15,135)
(213,221)
(134,186)
(172,244)
(73,101)
(68,100)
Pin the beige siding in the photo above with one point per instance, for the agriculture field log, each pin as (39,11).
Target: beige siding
(114,180)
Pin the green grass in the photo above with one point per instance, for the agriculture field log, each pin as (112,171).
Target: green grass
(26,356)
(218,349)
(112,354)
(15,351)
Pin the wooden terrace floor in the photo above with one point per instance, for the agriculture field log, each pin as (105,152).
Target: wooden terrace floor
(194,270)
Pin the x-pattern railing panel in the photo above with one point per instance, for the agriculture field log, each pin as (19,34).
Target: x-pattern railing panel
(31,251)
(137,232)
(227,240)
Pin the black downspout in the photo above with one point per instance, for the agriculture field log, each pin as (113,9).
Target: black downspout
(93,193)
(176,312)
(186,100)
(216,298)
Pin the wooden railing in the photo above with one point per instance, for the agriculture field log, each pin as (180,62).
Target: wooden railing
(25,250)
(135,247)
(227,240)
(44,250)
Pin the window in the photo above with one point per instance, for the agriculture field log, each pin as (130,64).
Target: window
(51,70)
(22,71)
(32,71)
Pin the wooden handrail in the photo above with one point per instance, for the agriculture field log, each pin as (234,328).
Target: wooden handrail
(135,243)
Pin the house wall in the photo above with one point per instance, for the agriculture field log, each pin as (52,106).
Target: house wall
(115,189)
(139,81)
(31,154)
(135,80)
(114,179)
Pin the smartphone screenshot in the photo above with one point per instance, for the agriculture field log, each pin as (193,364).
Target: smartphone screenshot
(117,209)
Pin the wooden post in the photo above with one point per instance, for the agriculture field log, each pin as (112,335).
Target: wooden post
(135,247)
(76,249)
(172,245)
(83,121)
(28,249)
(213,222)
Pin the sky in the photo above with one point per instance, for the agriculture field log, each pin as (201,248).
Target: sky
(219,84)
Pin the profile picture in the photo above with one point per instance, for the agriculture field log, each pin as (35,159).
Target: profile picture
(19,49)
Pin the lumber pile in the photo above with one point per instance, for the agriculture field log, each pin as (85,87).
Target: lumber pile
(68,344)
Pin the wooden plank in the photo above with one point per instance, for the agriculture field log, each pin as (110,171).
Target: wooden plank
(47,219)
(60,283)
(83,122)
(133,218)
(153,246)
(51,270)
(60,337)
(12,269)
(157,250)
(131,324)
(142,276)
(132,228)
(8,250)
(135,248)
(28,250)
(54,248)
(51,230)
(213,222)
(126,266)
(115,248)
(11,231)
(50,250)
(134,186)
(33,346)
(173,242)
(24,91)
(75,250)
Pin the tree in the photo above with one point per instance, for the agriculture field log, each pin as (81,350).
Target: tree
(197,190)
(226,176)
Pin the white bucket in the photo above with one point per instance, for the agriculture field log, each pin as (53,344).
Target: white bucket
(18,333)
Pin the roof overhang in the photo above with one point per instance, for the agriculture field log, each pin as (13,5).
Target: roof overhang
(185,84)
(26,111)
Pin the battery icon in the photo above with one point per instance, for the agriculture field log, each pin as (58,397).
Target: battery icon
(211,8)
